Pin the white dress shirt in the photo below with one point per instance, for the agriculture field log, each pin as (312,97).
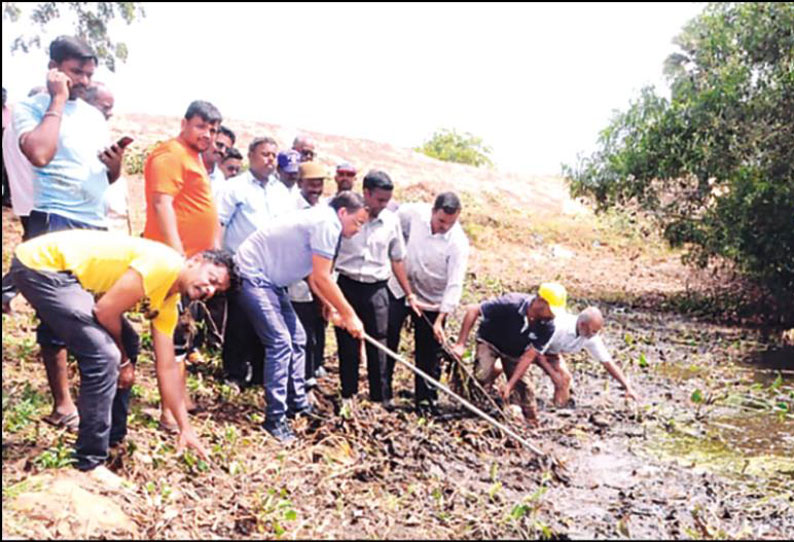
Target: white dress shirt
(435,263)
(367,256)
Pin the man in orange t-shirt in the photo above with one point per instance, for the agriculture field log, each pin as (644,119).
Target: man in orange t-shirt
(180,209)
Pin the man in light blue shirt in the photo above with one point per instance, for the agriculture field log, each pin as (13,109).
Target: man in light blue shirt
(272,258)
(254,197)
(66,141)
(248,201)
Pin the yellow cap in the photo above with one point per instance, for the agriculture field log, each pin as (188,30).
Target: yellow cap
(555,295)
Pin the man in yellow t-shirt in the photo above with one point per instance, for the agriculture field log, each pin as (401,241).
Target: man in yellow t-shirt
(60,274)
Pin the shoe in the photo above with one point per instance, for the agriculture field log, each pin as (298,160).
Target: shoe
(280,430)
(389,404)
(427,409)
(311,383)
(236,385)
(307,411)
(320,372)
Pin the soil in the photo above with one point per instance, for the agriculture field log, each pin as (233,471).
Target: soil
(707,454)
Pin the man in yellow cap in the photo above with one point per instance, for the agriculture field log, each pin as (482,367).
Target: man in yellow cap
(516,328)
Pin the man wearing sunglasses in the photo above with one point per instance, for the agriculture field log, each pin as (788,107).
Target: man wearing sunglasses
(345,177)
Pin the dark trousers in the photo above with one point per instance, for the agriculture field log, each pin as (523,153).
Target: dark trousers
(371,304)
(311,317)
(40,223)
(428,349)
(68,311)
(242,349)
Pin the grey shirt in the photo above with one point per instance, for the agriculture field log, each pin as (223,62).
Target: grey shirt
(367,256)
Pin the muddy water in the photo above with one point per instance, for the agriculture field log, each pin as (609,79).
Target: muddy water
(710,451)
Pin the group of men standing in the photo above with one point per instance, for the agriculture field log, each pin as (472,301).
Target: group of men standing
(358,261)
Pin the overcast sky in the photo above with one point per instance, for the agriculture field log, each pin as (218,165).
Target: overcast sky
(536,81)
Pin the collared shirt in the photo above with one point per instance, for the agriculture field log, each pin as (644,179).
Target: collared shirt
(73,183)
(217,180)
(367,256)
(435,263)
(506,326)
(247,204)
(20,173)
(566,340)
(299,291)
(282,251)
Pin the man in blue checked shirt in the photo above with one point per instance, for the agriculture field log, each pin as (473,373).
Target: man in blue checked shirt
(275,256)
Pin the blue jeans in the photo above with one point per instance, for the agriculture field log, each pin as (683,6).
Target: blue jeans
(270,312)
(68,310)
(40,223)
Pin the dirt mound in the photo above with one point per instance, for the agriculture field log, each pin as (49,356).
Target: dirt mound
(68,504)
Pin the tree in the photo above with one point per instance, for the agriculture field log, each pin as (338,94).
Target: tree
(450,146)
(714,164)
(91,21)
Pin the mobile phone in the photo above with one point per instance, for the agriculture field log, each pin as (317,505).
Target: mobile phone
(123,142)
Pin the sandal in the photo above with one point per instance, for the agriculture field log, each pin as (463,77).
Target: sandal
(172,428)
(71,421)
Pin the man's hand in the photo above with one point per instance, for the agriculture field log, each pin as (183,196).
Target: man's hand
(414,304)
(353,326)
(58,84)
(112,157)
(127,376)
(459,349)
(189,439)
(631,395)
(438,331)
(506,391)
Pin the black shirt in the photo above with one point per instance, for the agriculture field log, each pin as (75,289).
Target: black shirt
(506,326)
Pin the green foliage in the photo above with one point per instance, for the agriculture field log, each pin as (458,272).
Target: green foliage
(450,146)
(90,20)
(714,165)
(55,458)
(19,413)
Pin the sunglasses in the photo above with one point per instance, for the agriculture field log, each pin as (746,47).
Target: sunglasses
(346,173)
(307,152)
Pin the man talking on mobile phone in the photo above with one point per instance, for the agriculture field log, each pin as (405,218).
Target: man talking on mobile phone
(67,142)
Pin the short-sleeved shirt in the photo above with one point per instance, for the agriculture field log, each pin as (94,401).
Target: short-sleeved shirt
(73,183)
(247,204)
(566,340)
(282,251)
(367,256)
(98,259)
(435,263)
(506,326)
(299,291)
(176,170)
